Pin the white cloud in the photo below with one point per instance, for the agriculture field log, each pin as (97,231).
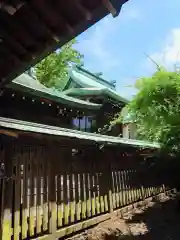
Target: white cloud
(130,13)
(169,55)
(97,42)
(97,45)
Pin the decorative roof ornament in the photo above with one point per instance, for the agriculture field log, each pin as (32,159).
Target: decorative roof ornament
(98,74)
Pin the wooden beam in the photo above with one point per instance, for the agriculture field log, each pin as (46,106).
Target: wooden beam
(50,9)
(84,11)
(40,19)
(109,7)
(8,133)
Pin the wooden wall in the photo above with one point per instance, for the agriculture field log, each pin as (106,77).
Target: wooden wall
(52,190)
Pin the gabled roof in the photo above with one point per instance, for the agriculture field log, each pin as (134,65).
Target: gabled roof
(30,30)
(27,84)
(90,84)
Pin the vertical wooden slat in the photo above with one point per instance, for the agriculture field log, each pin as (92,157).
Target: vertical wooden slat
(80,192)
(8,190)
(60,200)
(39,163)
(25,195)
(92,187)
(2,185)
(126,187)
(72,197)
(76,196)
(32,209)
(129,187)
(103,189)
(113,189)
(108,181)
(107,192)
(123,187)
(135,184)
(89,207)
(17,193)
(83,195)
(120,188)
(52,190)
(97,193)
(66,203)
(45,193)
(117,187)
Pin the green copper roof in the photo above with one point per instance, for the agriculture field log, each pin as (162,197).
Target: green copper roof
(95,91)
(72,134)
(25,83)
(91,84)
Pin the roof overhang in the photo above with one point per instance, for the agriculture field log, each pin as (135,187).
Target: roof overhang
(30,30)
(35,128)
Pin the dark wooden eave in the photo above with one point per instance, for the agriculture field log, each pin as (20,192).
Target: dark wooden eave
(31,29)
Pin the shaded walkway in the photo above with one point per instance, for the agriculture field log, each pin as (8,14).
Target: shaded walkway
(159,220)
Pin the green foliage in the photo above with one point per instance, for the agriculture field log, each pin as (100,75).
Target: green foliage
(156,108)
(52,71)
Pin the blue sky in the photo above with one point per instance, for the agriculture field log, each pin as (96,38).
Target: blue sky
(117,47)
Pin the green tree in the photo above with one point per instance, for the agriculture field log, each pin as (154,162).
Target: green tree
(156,108)
(52,71)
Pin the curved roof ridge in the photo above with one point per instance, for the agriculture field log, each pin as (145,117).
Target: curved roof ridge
(95,77)
(95,91)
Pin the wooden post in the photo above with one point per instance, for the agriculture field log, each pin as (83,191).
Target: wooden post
(109,181)
(52,191)
(7,195)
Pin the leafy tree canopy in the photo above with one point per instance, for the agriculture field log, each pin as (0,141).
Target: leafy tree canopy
(52,71)
(156,108)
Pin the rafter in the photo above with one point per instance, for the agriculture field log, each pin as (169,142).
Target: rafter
(110,7)
(84,11)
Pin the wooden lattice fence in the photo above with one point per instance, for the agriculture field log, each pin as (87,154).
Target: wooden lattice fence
(52,190)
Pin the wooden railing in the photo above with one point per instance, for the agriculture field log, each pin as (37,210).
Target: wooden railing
(50,191)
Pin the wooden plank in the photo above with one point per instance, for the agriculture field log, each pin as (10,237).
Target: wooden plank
(102,190)
(135,184)
(120,189)
(92,188)
(2,186)
(60,200)
(129,186)
(66,201)
(113,189)
(39,188)
(108,181)
(72,197)
(132,185)
(89,207)
(83,195)
(7,197)
(52,190)
(117,189)
(77,216)
(25,195)
(45,194)
(17,192)
(123,188)
(32,209)
(97,193)
(78,227)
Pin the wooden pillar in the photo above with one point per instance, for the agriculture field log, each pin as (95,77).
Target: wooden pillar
(7,193)
(51,153)
(108,180)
